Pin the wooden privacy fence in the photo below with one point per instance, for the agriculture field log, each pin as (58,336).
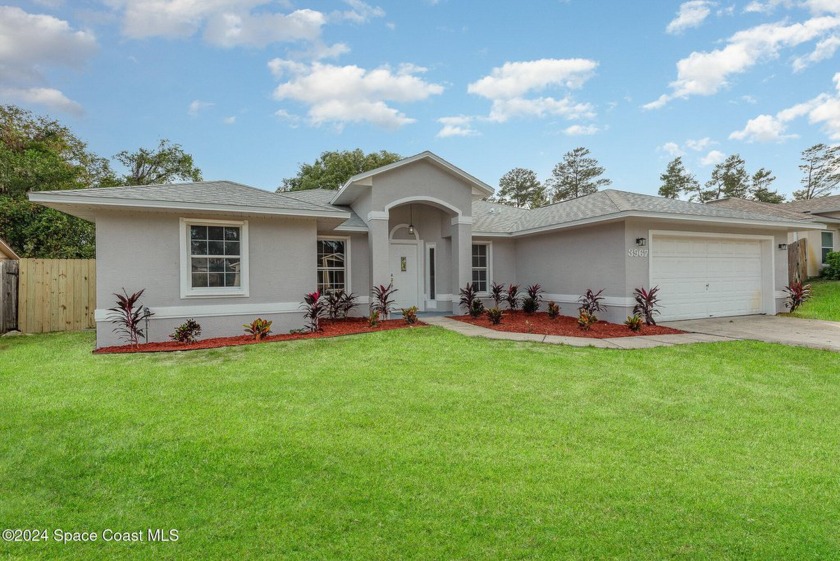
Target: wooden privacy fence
(8,295)
(56,295)
(798,261)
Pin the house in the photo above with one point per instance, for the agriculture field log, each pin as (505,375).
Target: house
(823,211)
(7,253)
(225,253)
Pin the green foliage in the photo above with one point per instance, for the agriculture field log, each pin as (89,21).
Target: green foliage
(373,319)
(494,315)
(410,315)
(128,316)
(591,302)
(187,332)
(477,308)
(575,176)
(676,180)
(820,171)
(259,328)
(333,168)
(553,310)
(824,303)
(729,179)
(760,188)
(586,319)
(497,293)
(37,231)
(529,305)
(634,322)
(831,268)
(797,294)
(168,163)
(521,188)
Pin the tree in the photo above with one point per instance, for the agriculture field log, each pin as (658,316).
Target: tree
(821,171)
(521,188)
(36,154)
(332,169)
(760,188)
(729,179)
(167,163)
(676,180)
(577,175)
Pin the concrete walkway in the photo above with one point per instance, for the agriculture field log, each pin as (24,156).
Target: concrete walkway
(771,329)
(643,342)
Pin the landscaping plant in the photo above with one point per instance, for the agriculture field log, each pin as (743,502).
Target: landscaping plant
(259,328)
(647,304)
(477,308)
(529,305)
(187,332)
(797,294)
(553,310)
(590,303)
(410,315)
(383,300)
(315,308)
(468,296)
(512,296)
(831,268)
(497,294)
(495,315)
(373,319)
(535,292)
(634,322)
(127,314)
(339,303)
(586,320)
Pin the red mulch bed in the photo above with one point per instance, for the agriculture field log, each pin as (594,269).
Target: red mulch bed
(349,326)
(540,324)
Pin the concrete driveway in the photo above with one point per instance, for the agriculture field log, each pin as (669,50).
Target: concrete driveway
(772,329)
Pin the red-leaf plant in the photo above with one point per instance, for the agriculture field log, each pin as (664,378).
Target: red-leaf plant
(383,300)
(127,314)
(797,294)
(647,304)
(315,308)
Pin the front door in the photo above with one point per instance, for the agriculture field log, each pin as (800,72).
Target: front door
(405,273)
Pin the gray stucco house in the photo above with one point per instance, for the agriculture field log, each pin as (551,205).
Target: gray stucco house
(225,253)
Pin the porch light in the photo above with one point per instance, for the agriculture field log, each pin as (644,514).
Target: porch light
(411,220)
(782,246)
(641,242)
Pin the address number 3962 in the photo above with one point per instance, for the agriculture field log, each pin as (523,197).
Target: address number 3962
(636,252)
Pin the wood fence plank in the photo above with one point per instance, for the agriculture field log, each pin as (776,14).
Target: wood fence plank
(56,294)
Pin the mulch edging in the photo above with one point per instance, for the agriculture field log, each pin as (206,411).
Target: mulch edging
(338,328)
(540,324)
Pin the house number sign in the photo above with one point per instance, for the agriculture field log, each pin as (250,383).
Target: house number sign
(637,252)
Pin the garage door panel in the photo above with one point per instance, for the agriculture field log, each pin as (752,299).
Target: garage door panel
(703,277)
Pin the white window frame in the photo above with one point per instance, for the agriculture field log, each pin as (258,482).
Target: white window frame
(348,288)
(187,290)
(823,247)
(489,265)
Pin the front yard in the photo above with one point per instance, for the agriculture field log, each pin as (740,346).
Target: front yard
(825,302)
(423,444)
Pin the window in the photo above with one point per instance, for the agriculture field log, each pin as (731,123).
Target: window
(332,265)
(481,266)
(432,273)
(214,258)
(827,244)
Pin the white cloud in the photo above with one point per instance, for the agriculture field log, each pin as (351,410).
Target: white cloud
(457,126)
(823,109)
(30,43)
(672,149)
(705,73)
(197,106)
(700,144)
(350,94)
(825,49)
(581,130)
(229,120)
(509,86)
(359,12)
(712,158)
(691,14)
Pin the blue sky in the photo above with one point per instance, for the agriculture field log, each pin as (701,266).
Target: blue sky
(252,88)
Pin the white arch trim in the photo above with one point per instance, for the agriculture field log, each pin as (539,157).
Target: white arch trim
(423,199)
(399,226)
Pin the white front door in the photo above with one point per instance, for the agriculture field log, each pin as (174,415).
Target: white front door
(405,271)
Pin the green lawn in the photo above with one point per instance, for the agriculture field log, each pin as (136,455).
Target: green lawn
(824,303)
(423,444)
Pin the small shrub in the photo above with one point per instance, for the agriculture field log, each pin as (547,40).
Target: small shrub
(590,302)
(410,315)
(187,332)
(497,294)
(383,300)
(535,292)
(831,268)
(797,294)
(530,305)
(373,319)
(634,322)
(128,315)
(315,308)
(553,310)
(259,328)
(512,296)
(468,297)
(647,304)
(494,315)
(339,303)
(477,308)
(586,320)
(529,327)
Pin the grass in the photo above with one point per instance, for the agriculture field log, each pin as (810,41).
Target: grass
(824,303)
(423,444)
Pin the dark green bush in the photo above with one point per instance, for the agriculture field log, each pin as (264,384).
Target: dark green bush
(494,315)
(831,269)
(187,332)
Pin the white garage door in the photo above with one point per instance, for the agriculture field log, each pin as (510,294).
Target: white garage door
(707,277)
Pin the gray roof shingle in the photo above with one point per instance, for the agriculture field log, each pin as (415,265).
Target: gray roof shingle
(323,197)
(820,204)
(782,211)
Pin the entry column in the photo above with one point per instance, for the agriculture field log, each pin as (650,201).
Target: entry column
(380,267)
(461,256)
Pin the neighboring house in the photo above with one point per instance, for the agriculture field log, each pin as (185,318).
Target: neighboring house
(224,253)
(823,211)
(7,253)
